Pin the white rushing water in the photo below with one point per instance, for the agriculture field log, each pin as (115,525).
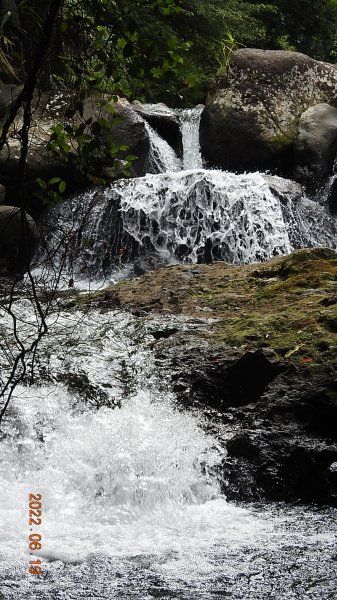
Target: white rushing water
(190,122)
(192,215)
(131,493)
(131,502)
(197,215)
(239,216)
(119,483)
(162,158)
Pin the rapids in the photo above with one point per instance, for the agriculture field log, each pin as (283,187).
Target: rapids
(131,503)
(132,506)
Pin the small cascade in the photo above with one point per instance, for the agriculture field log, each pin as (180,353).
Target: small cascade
(162,157)
(190,122)
(205,215)
(84,237)
(193,216)
(328,193)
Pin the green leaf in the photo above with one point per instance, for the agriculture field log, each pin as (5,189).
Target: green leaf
(121,43)
(62,186)
(41,183)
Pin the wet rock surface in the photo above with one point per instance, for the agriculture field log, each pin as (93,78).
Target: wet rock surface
(285,437)
(252,113)
(19,237)
(261,363)
(316,143)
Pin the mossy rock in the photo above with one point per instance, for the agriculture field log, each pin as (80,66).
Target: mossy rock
(287,303)
(252,113)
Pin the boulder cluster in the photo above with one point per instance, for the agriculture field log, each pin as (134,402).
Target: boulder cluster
(273,110)
(256,352)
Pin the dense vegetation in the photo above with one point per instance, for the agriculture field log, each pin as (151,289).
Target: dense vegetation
(153,50)
(156,49)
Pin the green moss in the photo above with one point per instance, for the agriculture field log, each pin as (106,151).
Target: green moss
(287,303)
(329,321)
(284,302)
(281,138)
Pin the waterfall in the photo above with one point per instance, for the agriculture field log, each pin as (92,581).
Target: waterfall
(215,215)
(121,471)
(131,502)
(131,482)
(238,217)
(183,212)
(162,158)
(190,122)
(196,215)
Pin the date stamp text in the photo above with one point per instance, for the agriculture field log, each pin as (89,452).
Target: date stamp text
(35,539)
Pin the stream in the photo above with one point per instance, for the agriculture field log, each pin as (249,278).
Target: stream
(132,506)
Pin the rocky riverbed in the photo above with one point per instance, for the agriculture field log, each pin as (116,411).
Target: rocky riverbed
(260,358)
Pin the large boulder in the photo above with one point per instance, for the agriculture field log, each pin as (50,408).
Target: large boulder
(316,144)
(125,125)
(252,113)
(258,356)
(19,237)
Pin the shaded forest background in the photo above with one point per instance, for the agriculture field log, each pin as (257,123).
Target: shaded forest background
(155,50)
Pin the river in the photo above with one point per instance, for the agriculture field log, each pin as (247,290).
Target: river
(132,506)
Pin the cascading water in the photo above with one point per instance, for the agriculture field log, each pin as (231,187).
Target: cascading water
(196,215)
(162,157)
(132,502)
(190,215)
(190,121)
(132,507)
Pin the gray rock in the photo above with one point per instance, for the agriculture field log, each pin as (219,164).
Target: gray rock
(251,116)
(148,262)
(19,237)
(8,93)
(242,446)
(129,131)
(2,194)
(285,189)
(316,143)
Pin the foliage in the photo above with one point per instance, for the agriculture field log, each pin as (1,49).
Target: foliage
(304,25)
(227,46)
(152,50)
(89,146)
(50,192)
(97,44)
(156,49)
(116,48)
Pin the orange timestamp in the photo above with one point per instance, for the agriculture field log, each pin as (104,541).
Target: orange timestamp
(35,519)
